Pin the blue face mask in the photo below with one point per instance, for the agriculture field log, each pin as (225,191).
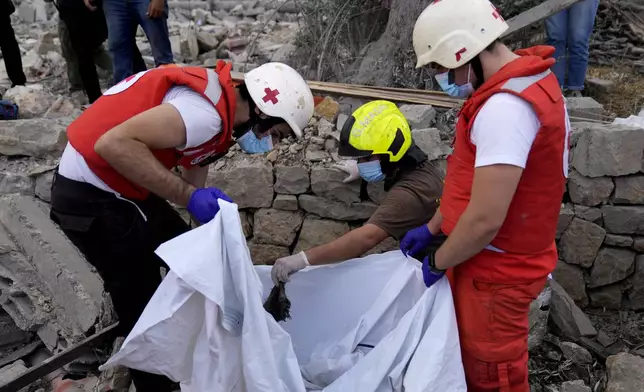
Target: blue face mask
(371,171)
(252,145)
(453,89)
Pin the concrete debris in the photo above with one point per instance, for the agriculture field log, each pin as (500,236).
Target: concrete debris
(317,231)
(328,109)
(38,137)
(10,335)
(429,140)
(574,386)
(33,100)
(567,316)
(625,373)
(12,371)
(419,116)
(43,185)
(584,107)
(576,353)
(538,319)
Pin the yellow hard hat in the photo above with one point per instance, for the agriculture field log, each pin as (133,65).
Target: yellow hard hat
(377,127)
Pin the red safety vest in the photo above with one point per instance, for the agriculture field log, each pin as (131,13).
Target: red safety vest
(528,233)
(144,91)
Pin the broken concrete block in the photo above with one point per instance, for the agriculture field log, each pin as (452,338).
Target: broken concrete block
(636,293)
(608,150)
(26,12)
(567,316)
(622,241)
(285,202)
(419,116)
(576,353)
(291,180)
(45,43)
(276,227)
(574,386)
(337,210)
(10,335)
(266,254)
(589,214)
(610,266)
(36,137)
(580,242)
(584,108)
(429,140)
(602,86)
(317,231)
(571,278)
(589,191)
(12,371)
(43,185)
(283,54)
(565,217)
(376,191)
(60,286)
(33,100)
(625,373)
(629,190)
(623,219)
(327,183)
(247,181)
(315,155)
(16,183)
(327,109)
(206,41)
(609,297)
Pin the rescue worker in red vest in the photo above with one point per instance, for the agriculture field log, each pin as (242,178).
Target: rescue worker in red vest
(111,191)
(503,189)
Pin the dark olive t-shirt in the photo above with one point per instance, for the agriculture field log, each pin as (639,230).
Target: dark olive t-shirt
(412,201)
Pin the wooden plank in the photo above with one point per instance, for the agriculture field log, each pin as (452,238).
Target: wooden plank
(56,362)
(537,14)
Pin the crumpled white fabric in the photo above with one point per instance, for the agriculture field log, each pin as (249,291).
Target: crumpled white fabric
(632,120)
(364,325)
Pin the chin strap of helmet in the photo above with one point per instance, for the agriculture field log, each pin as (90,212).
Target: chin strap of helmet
(255,122)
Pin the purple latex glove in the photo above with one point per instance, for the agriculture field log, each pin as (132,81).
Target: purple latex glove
(430,275)
(415,240)
(203,203)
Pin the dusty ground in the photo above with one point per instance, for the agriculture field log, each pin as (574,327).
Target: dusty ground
(627,95)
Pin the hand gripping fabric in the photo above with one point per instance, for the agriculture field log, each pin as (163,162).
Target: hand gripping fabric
(415,240)
(203,204)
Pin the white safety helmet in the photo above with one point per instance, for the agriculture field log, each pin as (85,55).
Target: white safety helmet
(453,32)
(279,91)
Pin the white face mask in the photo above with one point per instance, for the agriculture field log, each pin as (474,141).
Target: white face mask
(453,89)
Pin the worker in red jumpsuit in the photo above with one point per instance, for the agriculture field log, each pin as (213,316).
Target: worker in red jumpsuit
(503,189)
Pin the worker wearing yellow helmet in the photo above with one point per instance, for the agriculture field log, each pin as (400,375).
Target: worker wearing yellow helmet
(378,139)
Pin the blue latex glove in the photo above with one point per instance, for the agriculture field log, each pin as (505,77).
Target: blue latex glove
(203,203)
(430,275)
(415,240)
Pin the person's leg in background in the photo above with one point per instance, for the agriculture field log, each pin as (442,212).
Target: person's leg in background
(156,29)
(580,28)
(11,52)
(557,32)
(69,55)
(493,327)
(120,31)
(138,64)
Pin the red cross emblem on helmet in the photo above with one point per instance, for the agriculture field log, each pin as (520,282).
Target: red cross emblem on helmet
(271,95)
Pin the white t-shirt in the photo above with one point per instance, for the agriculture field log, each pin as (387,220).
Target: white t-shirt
(504,130)
(201,120)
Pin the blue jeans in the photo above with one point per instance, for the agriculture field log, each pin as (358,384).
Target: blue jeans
(569,32)
(123,17)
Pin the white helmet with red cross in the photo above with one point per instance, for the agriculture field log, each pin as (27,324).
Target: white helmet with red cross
(279,91)
(450,33)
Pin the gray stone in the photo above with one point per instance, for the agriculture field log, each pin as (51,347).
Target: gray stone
(610,266)
(60,286)
(326,129)
(313,155)
(580,242)
(45,43)
(291,180)
(571,279)
(206,41)
(376,191)
(567,316)
(576,353)
(266,254)
(246,219)
(33,100)
(625,373)
(629,190)
(285,202)
(276,227)
(565,217)
(36,137)
(574,386)
(600,85)
(609,150)
(326,208)
(26,12)
(636,293)
(537,325)
(16,183)
(10,335)
(247,181)
(589,214)
(604,339)
(623,219)
(419,116)
(429,140)
(283,54)
(317,232)
(589,191)
(584,107)
(623,241)
(638,244)
(331,145)
(609,297)
(12,371)
(386,245)
(327,183)
(188,44)
(43,185)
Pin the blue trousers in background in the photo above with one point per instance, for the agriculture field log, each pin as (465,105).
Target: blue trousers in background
(123,17)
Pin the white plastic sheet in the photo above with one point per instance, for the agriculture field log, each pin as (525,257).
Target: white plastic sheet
(632,120)
(364,325)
